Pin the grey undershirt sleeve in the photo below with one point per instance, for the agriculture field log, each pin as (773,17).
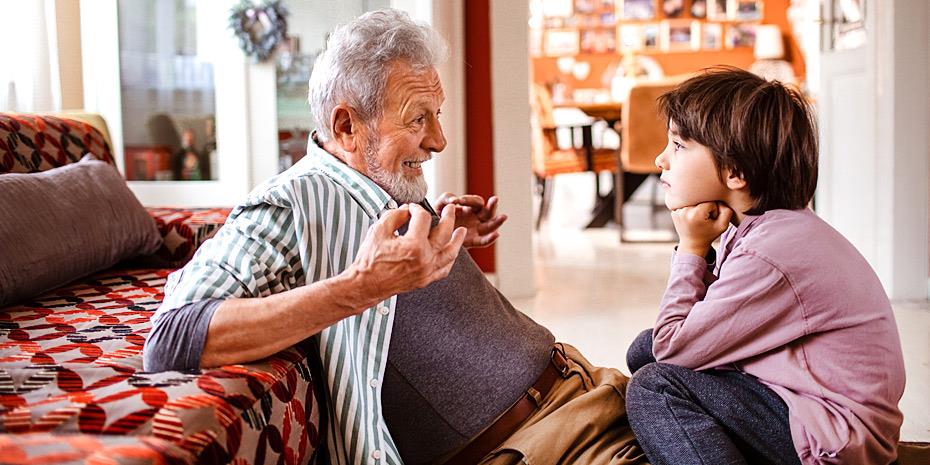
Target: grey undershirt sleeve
(176,341)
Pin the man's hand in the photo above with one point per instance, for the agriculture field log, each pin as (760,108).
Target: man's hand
(699,225)
(477,217)
(389,264)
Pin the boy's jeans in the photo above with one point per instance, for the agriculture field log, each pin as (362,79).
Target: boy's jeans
(684,417)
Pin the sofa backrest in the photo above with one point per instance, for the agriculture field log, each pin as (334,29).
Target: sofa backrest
(31,142)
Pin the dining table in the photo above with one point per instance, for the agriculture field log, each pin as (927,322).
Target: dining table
(605,209)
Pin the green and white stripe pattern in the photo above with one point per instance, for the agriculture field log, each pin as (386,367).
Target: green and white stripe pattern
(302,226)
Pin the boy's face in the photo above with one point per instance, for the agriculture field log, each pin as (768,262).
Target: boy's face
(689,175)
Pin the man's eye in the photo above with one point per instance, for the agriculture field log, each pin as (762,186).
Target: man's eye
(420,119)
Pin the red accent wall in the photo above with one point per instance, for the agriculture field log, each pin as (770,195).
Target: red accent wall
(479,123)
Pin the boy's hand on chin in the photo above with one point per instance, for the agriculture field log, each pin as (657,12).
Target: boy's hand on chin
(699,225)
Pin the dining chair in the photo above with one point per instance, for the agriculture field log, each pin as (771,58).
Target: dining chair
(550,160)
(643,136)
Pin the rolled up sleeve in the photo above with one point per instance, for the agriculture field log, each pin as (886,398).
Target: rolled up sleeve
(178,337)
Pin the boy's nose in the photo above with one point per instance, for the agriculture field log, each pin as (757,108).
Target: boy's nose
(660,161)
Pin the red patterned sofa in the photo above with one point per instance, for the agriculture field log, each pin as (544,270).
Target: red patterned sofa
(72,389)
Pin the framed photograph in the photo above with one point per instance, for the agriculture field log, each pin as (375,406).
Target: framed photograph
(745,10)
(699,9)
(584,7)
(680,35)
(561,42)
(631,37)
(598,41)
(650,36)
(717,10)
(711,36)
(557,8)
(637,9)
(673,8)
(741,35)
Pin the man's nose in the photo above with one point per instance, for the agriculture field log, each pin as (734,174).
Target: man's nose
(434,141)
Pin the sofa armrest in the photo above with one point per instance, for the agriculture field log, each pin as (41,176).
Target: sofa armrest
(183,231)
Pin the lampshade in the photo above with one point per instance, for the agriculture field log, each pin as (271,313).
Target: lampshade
(769,43)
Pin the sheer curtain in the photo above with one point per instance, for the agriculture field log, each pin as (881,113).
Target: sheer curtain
(29,78)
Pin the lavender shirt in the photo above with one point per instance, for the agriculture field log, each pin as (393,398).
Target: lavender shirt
(794,304)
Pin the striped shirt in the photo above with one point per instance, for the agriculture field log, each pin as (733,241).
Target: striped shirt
(303,226)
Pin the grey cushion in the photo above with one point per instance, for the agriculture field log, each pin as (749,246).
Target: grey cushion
(65,223)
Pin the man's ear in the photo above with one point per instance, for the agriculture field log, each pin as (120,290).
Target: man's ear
(735,181)
(343,127)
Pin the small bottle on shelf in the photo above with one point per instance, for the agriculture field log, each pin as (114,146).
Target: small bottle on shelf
(187,161)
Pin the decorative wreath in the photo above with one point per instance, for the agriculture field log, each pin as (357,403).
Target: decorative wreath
(260,28)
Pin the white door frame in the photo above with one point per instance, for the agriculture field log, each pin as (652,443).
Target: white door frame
(877,194)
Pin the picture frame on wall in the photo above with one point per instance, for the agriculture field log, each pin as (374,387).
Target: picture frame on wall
(680,35)
(717,10)
(598,41)
(637,10)
(631,37)
(585,7)
(699,9)
(651,33)
(561,42)
(741,35)
(673,8)
(745,10)
(558,8)
(712,36)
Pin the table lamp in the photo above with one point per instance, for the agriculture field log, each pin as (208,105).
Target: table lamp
(769,50)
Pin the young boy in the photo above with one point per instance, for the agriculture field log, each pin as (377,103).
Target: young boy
(786,351)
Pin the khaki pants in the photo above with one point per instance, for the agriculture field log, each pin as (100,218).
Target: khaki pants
(581,421)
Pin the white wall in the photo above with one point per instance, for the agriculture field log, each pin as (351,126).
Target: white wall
(903,145)
(311,20)
(512,163)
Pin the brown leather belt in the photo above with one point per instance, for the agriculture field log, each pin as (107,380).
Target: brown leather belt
(506,424)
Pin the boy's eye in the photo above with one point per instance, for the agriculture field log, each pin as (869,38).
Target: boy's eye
(678,145)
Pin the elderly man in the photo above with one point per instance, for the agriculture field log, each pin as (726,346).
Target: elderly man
(423,360)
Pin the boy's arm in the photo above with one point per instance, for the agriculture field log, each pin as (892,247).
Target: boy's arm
(749,310)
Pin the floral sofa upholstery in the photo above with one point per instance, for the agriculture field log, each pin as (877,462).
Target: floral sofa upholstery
(72,388)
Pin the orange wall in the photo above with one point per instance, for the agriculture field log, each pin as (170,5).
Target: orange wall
(774,12)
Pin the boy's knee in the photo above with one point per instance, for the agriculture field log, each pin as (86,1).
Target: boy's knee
(640,352)
(653,379)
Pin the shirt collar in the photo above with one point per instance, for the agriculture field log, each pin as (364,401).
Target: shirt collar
(373,199)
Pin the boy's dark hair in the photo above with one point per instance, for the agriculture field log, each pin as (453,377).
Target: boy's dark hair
(762,131)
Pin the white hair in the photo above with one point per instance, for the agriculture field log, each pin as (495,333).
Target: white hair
(352,68)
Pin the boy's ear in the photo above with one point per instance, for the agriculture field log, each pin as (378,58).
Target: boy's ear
(735,181)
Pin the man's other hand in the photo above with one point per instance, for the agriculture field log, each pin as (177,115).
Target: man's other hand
(390,264)
(477,217)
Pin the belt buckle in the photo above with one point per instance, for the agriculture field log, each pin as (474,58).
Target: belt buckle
(562,367)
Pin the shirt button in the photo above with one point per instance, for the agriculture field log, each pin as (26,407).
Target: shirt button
(383,309)
(373,382)
(376,454)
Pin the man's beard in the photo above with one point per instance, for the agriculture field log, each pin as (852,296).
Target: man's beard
(399,187)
